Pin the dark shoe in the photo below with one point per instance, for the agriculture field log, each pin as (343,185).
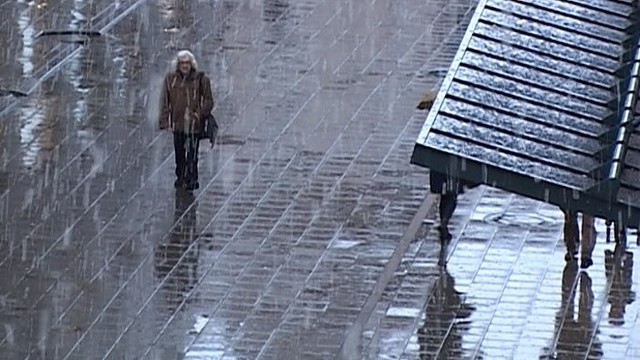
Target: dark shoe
(445,235)
(586,262)
(192,186)
(571,255)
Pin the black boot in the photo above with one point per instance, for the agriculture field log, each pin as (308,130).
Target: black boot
(192,186)
(586,262)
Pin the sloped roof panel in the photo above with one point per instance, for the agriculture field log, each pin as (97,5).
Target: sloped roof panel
(532,104)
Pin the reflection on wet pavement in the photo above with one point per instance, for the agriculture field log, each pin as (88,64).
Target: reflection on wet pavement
(446,319)
(178,258)
(576,334)
(527,302)
(619,271)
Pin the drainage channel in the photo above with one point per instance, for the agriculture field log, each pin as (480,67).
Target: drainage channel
(104,21)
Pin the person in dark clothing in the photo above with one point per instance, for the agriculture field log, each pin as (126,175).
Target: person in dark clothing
(448,188)
(572,238)
(185,101)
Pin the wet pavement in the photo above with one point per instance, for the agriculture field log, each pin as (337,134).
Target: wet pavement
(306,204)
(502,290)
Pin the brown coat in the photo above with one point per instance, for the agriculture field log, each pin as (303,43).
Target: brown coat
(185,101)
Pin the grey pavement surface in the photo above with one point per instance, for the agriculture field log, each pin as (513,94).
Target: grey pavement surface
(303,204)
(505,291)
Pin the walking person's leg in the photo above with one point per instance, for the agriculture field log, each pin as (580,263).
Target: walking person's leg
(441,184)
(570,234)
(608,223)
(448,203)
(179,144)
(620,233)
(588,240)
(192,162)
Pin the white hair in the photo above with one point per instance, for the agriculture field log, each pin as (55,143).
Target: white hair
(184,55)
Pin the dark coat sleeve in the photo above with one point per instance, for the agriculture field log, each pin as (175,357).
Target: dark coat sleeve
(165,104)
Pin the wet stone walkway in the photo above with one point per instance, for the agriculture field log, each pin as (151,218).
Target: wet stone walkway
(502,290)
(304,203)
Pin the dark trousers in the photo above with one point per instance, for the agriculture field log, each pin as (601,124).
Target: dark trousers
(186,149)
(449,188)
(448,203)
